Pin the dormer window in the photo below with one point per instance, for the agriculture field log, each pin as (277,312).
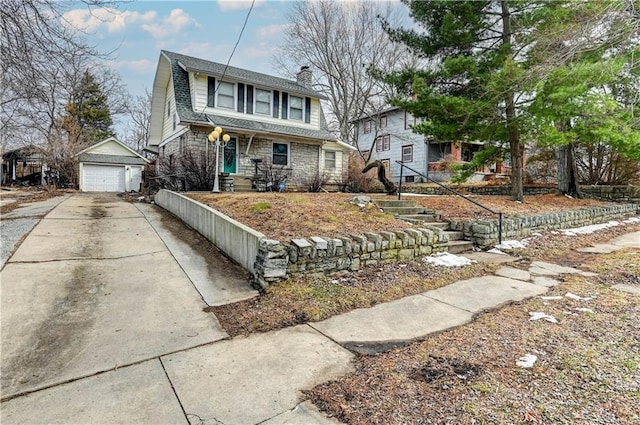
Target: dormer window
(226,95)
(263,102)
(296,108)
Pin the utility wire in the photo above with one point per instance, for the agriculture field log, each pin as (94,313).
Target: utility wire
(246,19)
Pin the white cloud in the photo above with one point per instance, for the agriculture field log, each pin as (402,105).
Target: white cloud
(275,30)
(225,5)
(177,20)
(113,20)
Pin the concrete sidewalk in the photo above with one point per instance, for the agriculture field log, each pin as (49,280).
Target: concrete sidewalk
(256,379)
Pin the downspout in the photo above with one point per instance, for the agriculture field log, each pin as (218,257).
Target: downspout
(249,144)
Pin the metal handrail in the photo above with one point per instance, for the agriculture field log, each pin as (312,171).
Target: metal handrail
(499,213)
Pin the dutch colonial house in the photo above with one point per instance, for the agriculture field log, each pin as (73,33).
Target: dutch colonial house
(272,122)
(389,135)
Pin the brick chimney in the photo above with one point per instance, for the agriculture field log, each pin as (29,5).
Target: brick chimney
(305,77)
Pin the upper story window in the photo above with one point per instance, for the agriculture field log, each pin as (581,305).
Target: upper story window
(383,143)
(226,95)
(263,102)
(383,121)
(367,126)
(296,108)
(409,120)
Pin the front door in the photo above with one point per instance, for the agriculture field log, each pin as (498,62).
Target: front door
(230,157)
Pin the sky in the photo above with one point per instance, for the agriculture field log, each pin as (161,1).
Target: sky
(136,32)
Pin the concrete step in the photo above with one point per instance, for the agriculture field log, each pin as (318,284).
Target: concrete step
(403,210)
(426,217)
(394,203)
(440,224)
(454,235)
(456,247)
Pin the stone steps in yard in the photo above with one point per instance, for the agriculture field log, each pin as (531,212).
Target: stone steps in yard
(456,247)
(425,217)
(398,211)
(393,203)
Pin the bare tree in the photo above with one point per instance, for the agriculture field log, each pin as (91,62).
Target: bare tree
(39,60)
(341,41)
(139,115)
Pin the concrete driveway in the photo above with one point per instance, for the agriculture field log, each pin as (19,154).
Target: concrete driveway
(92,289)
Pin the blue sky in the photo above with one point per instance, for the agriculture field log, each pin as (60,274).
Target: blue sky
(137,31)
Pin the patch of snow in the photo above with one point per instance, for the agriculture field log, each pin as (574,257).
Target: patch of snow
(528,360)
(632,220)
(552,297)
(585,230)
(537,315)
(536,234)
(446,259)
(577,297)
(512,244)
(585,310)
(497,251)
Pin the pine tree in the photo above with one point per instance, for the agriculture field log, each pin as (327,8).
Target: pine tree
(473,88)
(88,118)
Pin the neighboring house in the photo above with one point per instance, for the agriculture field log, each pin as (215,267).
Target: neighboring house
(23,165)
(389,135)
(270,121)
(110,166)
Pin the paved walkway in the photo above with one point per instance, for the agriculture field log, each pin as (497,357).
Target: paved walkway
(182,368)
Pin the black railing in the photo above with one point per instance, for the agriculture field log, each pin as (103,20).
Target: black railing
(403,166)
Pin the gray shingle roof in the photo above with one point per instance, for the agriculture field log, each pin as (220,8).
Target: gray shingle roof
(110,159)
(263,127)
(237,74)
(184,107)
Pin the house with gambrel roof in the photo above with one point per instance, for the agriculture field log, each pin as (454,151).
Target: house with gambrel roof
(271,121)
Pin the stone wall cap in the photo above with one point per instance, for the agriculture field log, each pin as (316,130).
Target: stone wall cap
(301,243)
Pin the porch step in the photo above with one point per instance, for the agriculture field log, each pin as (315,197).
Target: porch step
(425,217)
(241,184)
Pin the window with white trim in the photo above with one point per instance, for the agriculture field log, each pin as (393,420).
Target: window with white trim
(226,95)
(280,154)
(383,121)
(262,102)
(329,160)
(367,126)
(407,153)
(383,143)
(296,108)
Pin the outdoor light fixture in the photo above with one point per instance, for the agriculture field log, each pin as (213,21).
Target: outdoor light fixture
(214,136)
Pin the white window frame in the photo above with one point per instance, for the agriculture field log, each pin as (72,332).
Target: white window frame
(408,153)
(288,145)
(233,95)
(255,101)
(302,107)
(334,160)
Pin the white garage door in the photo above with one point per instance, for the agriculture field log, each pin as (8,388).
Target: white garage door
(103,178)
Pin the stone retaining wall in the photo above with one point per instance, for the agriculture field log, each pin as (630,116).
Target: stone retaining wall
(484,233)
(607,193)
(277,260)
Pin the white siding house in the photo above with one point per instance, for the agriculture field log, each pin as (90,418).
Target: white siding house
(269,120)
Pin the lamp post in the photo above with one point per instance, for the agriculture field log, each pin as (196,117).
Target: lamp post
(214,136)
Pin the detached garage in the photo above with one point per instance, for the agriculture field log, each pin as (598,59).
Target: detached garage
(110,166)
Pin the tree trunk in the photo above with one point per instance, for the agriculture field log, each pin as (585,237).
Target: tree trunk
(389,186)
(515,146)
(567,171)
